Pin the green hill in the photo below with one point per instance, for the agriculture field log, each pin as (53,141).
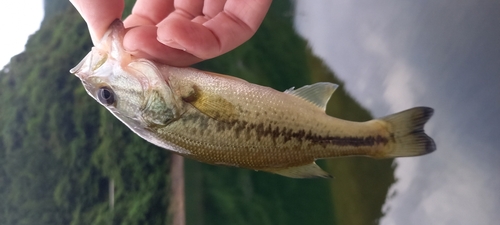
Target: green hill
(60,151)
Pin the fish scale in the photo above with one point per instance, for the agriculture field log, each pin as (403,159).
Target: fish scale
(269,141)
(219,119)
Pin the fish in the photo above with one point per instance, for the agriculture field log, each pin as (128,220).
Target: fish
(223,120)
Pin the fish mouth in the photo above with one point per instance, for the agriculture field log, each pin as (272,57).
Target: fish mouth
(78,70)
(91,64)
(109,47)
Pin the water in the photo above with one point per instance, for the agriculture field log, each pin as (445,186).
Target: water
(394,55)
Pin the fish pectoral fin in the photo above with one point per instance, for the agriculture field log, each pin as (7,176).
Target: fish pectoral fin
(211,105)
(317,94)
(311,170)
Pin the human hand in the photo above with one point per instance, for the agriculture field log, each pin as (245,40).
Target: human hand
(177,32)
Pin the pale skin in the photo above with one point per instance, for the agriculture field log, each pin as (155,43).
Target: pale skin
(177,32)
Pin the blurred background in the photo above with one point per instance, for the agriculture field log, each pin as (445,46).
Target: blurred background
(66,160)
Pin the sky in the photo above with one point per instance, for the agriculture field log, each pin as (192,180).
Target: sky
(393,55)
(18,20)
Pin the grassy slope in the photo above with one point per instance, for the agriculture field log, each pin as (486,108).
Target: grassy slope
(59,149)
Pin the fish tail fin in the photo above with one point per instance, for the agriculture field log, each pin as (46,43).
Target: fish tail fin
(407,129)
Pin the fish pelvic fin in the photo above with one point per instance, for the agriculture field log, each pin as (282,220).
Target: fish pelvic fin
(407,129)
(318,94)
(311,170)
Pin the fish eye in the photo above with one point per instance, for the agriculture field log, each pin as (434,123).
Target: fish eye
(106,96)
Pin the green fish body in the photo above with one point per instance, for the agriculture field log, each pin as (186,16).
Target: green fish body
(219,119)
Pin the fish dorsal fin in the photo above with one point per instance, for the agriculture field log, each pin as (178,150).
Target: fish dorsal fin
(317,94)
(311,170)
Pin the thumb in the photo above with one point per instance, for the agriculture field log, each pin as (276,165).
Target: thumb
(99,15)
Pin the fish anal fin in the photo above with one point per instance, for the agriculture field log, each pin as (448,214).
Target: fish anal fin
(311,170)
(211,105)
(318,94)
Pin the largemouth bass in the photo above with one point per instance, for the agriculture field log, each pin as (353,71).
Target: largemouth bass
(219,119)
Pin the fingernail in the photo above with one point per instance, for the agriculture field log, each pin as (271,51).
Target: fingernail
(171,43)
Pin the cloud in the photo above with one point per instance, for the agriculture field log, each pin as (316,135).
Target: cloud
(437,191)
(398,88)
(398,82)
(393,56)
(18,20)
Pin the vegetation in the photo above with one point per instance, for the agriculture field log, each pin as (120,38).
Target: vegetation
(60,151)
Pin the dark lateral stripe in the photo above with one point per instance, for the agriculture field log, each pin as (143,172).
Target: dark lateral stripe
(239,127)
(302,135)
(351,141)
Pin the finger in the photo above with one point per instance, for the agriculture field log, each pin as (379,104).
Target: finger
(189,8)
(99,15)
(213,7)
(210,9)
(238,22)
(181,33)
(149,12)
(228,29)
(141,42)
(134,20)
(249,12)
